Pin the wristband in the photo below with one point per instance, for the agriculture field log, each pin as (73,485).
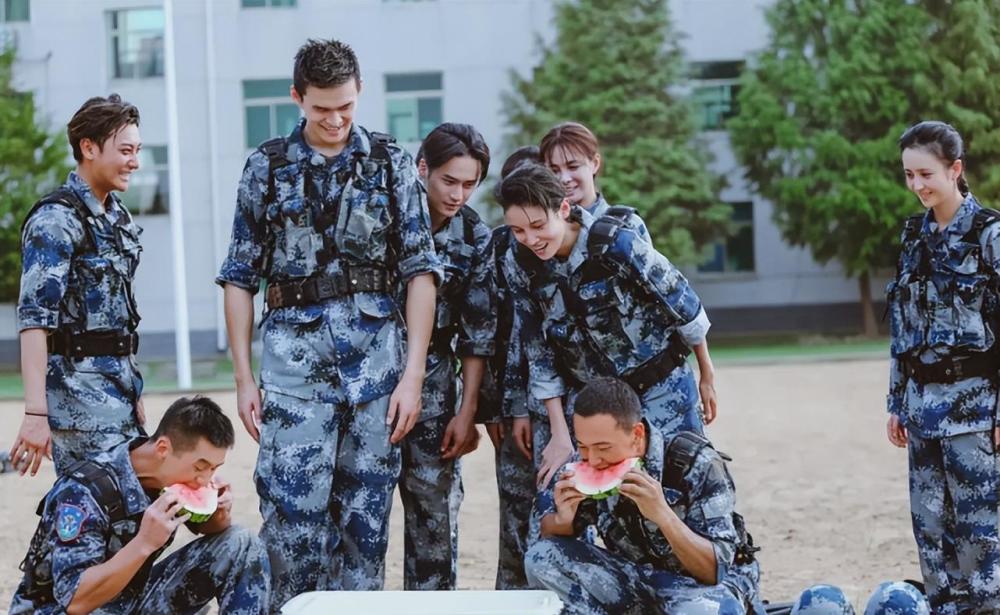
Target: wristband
(36,413)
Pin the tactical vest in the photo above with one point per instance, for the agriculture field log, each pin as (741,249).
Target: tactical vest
(951,304)
(446,318)
(104,488)
(89,247)
(491,392)
(679,453)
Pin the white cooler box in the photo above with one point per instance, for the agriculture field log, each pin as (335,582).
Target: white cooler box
(425,603)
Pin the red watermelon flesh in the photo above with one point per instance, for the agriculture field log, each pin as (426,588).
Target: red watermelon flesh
(600,484)
(200,503)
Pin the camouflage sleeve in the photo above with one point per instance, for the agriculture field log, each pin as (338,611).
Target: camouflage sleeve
(897,387)
(47,252)
(544,381)
(637,224)
(515,392)
(665,283)
(713,500)
(79,530)
(990,246)
(414,247)
(244,264)
(478,309)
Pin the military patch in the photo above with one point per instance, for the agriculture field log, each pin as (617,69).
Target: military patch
(69,521)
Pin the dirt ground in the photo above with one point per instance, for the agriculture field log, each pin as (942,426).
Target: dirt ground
(823,492)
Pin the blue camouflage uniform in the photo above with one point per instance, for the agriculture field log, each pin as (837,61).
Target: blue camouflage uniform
(76,533)
(326,469)
(623,322)
(943,307)
(638,571)
(75,282)
(897,598)
(600,207)
(430,488)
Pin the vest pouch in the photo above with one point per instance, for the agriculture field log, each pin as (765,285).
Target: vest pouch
(905,320)
(103,297)
(364,236)
(969,288)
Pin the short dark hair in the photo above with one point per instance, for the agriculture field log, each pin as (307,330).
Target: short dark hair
(525,154)
(939,139)
(449,141)
(191,418)
(530,184)
(609,396)
(98,119)
(325,64)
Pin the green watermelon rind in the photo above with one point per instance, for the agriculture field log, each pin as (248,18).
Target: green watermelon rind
(614,490)
(195,517)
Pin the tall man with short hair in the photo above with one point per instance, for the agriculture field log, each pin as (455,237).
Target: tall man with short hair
(77,313)
(333,220)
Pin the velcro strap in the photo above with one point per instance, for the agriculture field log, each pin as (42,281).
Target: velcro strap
(319,288)
(656,369)
(92,344)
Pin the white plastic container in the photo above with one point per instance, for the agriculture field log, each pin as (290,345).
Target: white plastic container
(425,603)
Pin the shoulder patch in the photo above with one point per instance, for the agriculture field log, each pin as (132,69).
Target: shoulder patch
(69,521)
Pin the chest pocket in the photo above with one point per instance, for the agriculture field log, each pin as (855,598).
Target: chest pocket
(965,293)
(104,279)
(365,217)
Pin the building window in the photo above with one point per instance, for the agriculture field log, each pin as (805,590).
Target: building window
(269,109)
(413,105)
(716,85)
(254,4)
(14,10)
(136,43)
(735,253)
(149,188)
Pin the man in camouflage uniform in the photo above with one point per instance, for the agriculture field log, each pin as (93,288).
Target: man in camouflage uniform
(105,522)
(673,543)
(942,401)
(333,219)
(76,312)
(453,160)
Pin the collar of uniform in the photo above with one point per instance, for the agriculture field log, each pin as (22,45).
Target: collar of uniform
(598,205)
(962,221)
(450,230)
(653,459)
(578,254)
(120,463)
(82,189)
(304,153)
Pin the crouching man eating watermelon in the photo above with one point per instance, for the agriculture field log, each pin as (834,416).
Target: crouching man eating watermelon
(106,521)
(663,507)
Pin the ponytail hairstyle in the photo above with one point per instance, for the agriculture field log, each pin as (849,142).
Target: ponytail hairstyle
(941,140)
(451,140)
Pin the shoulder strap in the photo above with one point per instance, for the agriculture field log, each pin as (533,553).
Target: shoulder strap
(679,453)
(980,220)
(911,228)
(276,150)
(103,486)
(67,198)
(604,230)
(469,221)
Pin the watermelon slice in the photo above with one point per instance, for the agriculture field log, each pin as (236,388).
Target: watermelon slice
(200,503)
(601,484)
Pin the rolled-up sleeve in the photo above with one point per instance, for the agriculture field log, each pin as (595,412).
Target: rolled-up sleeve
(243,266)
(47,252)
(414,243)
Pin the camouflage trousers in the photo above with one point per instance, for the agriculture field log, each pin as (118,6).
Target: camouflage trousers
(231,567)
(430,489)
(897,598)
(91,405)
(325,476)
(954,501)
(591,581)
(516,489)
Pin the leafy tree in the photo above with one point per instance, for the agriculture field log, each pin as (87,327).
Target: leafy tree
(825,102)
(33,162)
(616,66)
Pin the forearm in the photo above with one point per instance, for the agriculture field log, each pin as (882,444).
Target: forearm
(421,294)
(695,552)
(239,326)
(557,418)
(472,380)
(34,365)
(217,523)
(101,583)
(705,367)
(551,526)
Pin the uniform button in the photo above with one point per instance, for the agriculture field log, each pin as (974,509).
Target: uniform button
(298,296)
(354,281)
(947,371)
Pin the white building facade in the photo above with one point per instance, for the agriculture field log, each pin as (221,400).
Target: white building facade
(423,62)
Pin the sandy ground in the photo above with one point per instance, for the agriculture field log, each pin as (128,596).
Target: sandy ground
(823,492)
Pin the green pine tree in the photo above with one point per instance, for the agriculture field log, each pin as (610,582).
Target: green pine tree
(33,162)
(824,103)
(616,66)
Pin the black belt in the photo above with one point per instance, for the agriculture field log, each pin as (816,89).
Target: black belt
(319,288)
(953,369)
(92,344)
(656,369)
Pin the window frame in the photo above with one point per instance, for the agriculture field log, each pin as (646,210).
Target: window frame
(4,12)
(272,102)
(151,168)
(114,33)
(414,95)
(724,243)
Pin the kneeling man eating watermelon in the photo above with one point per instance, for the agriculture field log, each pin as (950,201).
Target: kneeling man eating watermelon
(664,507)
